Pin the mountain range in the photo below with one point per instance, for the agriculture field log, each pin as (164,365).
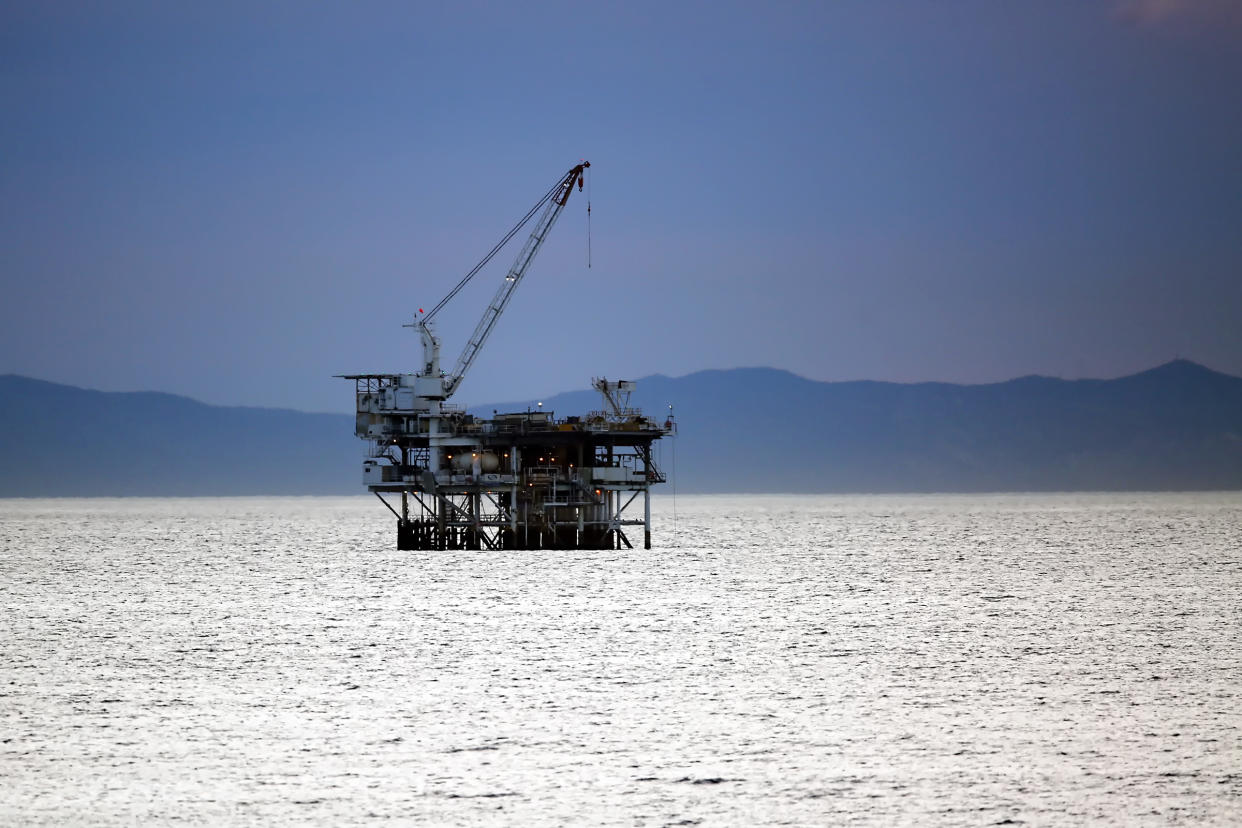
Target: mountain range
(1174,427)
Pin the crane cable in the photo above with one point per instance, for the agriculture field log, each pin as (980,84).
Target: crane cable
(588,224)
(499,245)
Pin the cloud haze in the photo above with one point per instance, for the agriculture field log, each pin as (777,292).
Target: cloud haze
(1155,12)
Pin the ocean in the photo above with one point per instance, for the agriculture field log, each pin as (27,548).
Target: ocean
(1041,659)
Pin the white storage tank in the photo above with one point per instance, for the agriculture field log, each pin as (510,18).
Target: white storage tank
(464,462)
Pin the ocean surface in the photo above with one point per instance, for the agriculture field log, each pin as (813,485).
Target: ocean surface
(873,660)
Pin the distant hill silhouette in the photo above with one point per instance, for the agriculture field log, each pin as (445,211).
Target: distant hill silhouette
(57,440)
(1175,427)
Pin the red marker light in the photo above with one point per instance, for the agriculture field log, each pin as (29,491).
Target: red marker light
(420,310)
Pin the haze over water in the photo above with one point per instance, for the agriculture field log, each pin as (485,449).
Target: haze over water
(972,660)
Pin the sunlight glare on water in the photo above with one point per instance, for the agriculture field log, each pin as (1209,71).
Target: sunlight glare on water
(805,660)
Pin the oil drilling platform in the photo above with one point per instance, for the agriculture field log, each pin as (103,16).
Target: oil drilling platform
(523,480)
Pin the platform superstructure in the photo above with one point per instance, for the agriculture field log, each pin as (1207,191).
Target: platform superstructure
(516,480)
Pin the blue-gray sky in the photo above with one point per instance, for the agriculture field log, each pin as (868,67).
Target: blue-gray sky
(235,201)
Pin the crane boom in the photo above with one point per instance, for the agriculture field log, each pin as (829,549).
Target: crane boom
(515,274)
(556,198)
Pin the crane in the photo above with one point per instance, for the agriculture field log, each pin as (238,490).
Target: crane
(432,384)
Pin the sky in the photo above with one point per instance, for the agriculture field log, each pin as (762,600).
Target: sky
(237,201)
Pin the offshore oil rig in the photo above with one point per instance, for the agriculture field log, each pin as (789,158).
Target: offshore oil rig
(522,480)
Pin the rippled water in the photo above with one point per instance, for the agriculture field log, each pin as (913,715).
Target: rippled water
(1044,659)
